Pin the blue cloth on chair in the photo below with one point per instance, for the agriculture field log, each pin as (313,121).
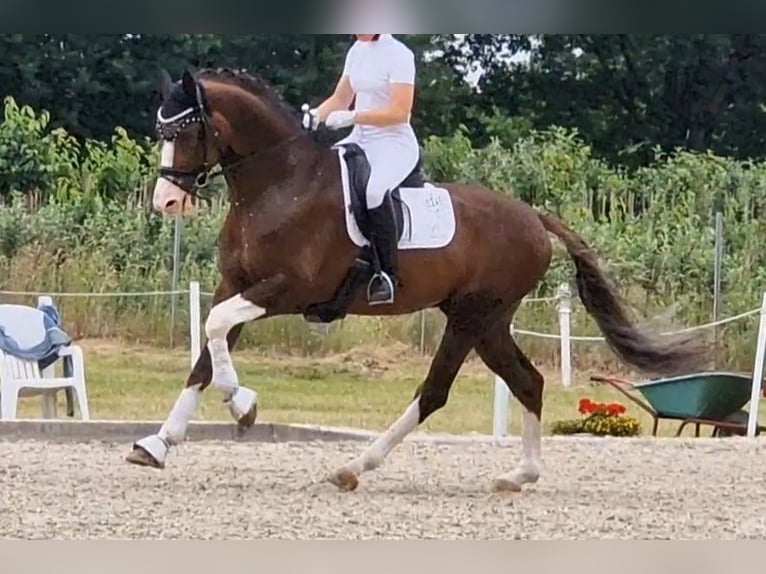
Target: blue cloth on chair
(45,351)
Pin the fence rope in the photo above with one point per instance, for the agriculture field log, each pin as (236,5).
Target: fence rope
(585,339)
(113,294)
(525,301)
(540,300)
(550,336)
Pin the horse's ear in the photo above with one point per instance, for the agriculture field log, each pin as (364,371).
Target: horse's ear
(166,84)
(189,85)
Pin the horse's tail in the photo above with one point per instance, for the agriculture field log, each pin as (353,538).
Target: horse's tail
(646,351)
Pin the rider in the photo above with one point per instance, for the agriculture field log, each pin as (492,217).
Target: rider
(379,73)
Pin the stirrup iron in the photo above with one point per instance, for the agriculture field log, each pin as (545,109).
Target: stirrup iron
(384,277)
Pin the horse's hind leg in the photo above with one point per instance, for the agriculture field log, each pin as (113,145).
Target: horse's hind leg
(500,353)
(431,396)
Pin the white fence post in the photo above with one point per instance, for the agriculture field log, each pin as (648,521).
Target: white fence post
(194,321)
(500,418)
(760,351)
(565,313)
(501,410)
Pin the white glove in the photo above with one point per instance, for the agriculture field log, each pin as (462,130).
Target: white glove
(340,119)
(310,118)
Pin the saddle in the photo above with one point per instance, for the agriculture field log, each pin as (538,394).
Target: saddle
(361,271)
(359,175)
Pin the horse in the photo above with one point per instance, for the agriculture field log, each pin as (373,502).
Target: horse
(294,243)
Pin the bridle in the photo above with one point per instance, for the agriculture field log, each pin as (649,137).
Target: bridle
(195,182)
(192,182)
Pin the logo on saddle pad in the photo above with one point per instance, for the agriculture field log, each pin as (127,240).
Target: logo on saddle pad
(425,212)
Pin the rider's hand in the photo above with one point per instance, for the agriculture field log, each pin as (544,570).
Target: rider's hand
(340,119)
(310,118)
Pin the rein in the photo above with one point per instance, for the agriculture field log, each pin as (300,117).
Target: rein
(195,182)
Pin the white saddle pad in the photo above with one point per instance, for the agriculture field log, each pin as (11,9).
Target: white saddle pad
(429,216)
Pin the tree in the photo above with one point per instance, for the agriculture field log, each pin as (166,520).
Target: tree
(92,83)
(629,93)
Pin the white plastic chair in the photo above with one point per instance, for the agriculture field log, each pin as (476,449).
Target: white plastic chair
(20,378)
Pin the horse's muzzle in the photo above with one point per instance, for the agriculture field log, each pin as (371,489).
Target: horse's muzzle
(170,199)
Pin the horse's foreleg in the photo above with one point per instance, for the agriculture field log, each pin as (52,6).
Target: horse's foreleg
(224,319)
(153,450)
(252,304)
(222,328)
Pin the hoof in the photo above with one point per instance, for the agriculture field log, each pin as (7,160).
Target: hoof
(151,452)
(345,480)
(515,481)
(141,457)
(243,406)
(247,421)
(506,485)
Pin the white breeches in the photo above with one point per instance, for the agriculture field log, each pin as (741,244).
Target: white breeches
(391,160)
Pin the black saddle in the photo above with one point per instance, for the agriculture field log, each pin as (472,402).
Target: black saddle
(363,268)
(358,177)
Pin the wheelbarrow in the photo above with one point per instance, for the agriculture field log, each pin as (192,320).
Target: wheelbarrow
(715,399)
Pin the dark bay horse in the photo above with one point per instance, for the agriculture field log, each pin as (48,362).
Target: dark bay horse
(286,248)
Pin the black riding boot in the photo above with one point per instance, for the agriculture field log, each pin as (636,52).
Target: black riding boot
(385,239)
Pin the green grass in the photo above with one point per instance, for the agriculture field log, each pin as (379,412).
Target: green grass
(367,388)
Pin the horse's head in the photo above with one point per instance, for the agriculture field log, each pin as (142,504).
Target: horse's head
(186,131)
(196,125)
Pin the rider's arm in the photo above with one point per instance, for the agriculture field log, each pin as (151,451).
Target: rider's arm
(402,81)
(340,99)
(343,95)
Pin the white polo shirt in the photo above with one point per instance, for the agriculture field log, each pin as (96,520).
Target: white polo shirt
(372,67)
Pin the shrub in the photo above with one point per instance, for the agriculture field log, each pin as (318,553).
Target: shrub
(599,419)
(77,217)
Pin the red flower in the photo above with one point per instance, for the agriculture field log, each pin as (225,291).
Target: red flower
(616,409)
(588,407)
(585,407)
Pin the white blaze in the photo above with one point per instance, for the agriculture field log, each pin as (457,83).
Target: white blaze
(168,198)
(168,154)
